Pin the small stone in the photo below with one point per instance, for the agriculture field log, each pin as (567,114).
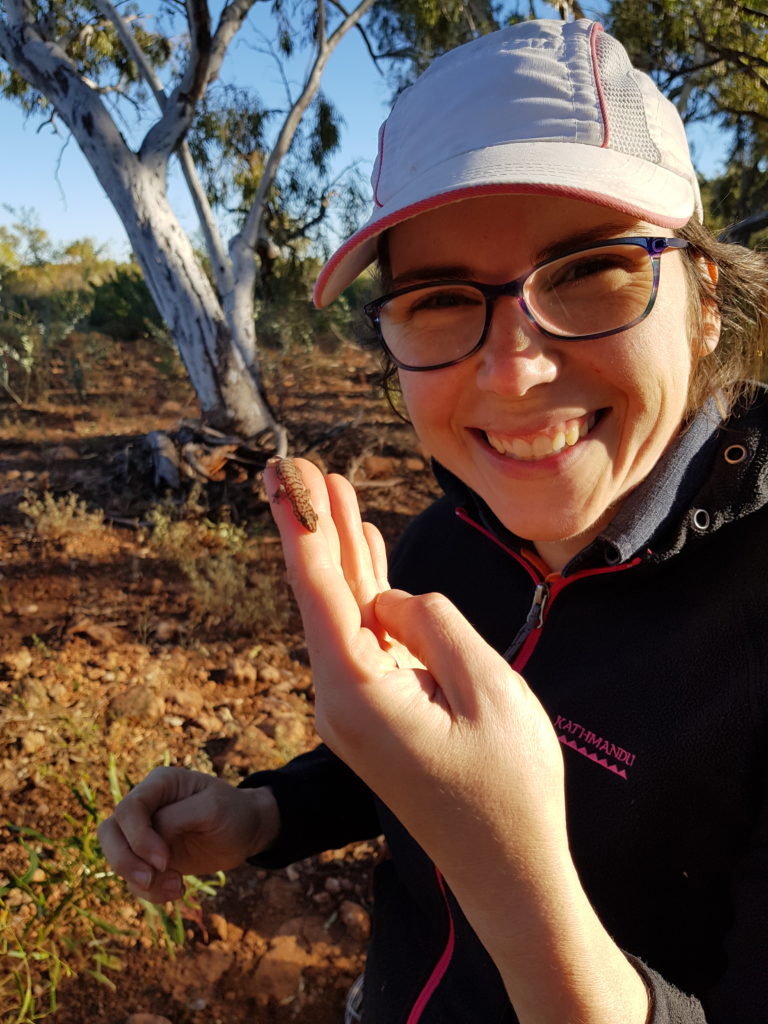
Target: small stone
(146,1018)
(31,742)
(166,630)
(269,674)
(138,703)
(375,466)
(17,662)
(278,974)
(356,920)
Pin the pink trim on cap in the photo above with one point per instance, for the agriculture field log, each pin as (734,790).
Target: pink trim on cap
(597,27)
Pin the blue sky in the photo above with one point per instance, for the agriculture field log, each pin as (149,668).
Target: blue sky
(45,173)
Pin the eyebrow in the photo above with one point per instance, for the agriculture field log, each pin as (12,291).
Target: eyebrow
(460,271)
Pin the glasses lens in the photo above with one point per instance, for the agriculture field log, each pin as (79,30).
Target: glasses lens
(433,325)
(591,291)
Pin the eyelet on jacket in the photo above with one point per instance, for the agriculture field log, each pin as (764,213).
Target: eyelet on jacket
(734,454)
(700,518)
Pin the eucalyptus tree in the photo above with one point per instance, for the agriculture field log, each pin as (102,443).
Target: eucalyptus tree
(87,65)
(710,57)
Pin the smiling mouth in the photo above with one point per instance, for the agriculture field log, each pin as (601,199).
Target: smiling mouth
(544,443)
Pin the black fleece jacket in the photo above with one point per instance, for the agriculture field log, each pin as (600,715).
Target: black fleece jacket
(653,665)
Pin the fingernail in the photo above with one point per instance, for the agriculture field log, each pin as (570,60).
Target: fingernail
(142,878)
(157,860)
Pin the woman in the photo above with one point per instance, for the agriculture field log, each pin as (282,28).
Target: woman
(565,733)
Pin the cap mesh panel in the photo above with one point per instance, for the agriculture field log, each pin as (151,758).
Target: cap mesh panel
(627,126)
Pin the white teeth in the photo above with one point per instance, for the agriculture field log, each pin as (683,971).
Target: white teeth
(542,445)
(572,434)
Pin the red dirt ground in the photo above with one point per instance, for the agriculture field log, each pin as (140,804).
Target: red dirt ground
(108,655)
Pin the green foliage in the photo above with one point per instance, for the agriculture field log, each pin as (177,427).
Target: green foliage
(220,562)
(50,930)
(92,46)
(710,57)
(50,927)
(123,307)
(58,519)
(411,33)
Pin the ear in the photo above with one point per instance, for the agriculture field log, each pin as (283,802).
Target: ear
(710,312)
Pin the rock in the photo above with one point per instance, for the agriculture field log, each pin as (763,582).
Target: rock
(290,733)
(375,466)
(17,662)
(269,674)
(146,1018)
(356,920)
(278,974)
(166,630)
(33,694)
(31,742)
(138,703)
(242,671)
(188,702)
(220,926)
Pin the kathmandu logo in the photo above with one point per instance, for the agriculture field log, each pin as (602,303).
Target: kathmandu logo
(598,749)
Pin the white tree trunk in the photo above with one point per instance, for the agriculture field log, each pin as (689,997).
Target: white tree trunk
(219,355)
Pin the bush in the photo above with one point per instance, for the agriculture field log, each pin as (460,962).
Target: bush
(123,307)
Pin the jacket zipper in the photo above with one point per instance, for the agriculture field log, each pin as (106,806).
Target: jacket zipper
(546,589)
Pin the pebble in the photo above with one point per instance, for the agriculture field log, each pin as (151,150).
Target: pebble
(146,1018)
(356,920)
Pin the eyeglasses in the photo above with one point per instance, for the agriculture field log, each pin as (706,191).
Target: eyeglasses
(589,293)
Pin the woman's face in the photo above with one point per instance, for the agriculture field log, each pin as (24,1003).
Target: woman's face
(618,401)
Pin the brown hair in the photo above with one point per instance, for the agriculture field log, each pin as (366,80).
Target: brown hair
(741,297)
(738,362)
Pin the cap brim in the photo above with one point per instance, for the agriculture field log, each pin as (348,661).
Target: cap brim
(616,180)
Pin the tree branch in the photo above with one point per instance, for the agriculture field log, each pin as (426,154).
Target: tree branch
(135,52)
(220,262)
(368,45)
(245,241)
(230,23)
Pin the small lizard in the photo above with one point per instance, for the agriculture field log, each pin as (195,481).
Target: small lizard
(295,490)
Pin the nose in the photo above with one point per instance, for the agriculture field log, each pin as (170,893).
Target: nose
(515,356)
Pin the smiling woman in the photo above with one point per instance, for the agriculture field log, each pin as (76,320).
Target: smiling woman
(559,722)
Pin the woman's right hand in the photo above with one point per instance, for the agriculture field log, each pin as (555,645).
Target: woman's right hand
(179,822)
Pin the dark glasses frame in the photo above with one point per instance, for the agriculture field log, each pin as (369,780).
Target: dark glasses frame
(653,245)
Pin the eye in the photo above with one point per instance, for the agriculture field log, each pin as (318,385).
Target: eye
(590,265)
(443,298)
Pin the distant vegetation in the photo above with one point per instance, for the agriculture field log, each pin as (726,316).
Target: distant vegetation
(50,291)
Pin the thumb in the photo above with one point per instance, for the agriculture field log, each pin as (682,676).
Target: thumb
(436,633)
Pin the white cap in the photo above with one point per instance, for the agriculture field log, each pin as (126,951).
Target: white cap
(539,107)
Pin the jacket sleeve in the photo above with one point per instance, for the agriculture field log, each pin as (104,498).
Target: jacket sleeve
(323,806)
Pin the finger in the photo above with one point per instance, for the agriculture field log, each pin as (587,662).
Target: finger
(165,886)
(292,531)
(328,604)
(357,561)
(436,633)
(142,880)
(378,552)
